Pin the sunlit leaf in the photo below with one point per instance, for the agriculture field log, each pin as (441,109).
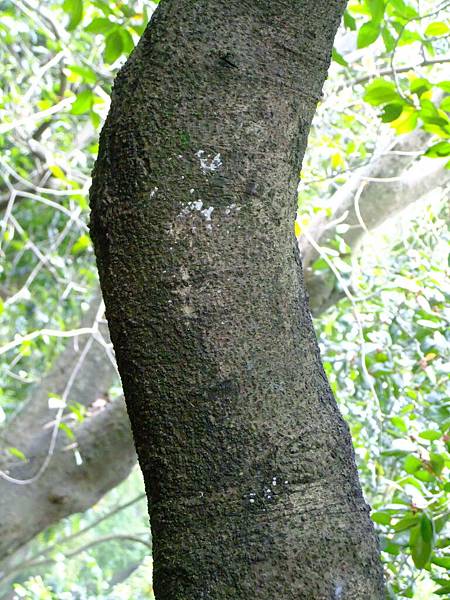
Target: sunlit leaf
(82,244)
(83,103)
(368,34)
(17,453)
(339,58)
(74,8)
(438,150)
(437,28)
(101,25)
(391,112)
(380,91)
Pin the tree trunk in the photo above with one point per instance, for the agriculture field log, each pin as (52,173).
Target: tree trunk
(249,467)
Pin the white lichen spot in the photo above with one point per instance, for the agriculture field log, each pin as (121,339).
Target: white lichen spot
(197,206)
(194,206)
(207,212)
(208,164)
(232,208)
(192,190)
(268,494)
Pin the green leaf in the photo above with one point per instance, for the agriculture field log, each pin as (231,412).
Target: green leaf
(430,434)
(127,41)
(403,10)
(381,517)
(423,475)
(381,91)
(426,528)
(405,523)
(430,114)
(339,58)
(67,430)
(126,10)
(83,103)
(376,8)
(407,121)
(103,6)
(391,112)
(57,172)
(419,85)
(437,462)
(436,29)
(17,453)
(443,591)
(368,33)
(96,119)
(441,561)
(349,21)
(438,150)
(101,25)
(74,8)
(399,423)
(87,74)
(113,47)
(388,39)
(411,464)
(82,244)
(444,85)
(445,104)
(420,548)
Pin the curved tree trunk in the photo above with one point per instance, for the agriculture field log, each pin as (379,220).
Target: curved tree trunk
(249,466)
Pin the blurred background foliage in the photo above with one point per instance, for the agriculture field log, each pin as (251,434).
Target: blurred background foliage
(384,341)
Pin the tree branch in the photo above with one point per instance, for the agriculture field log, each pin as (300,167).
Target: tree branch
(35,564)
(105,444)
(382,188)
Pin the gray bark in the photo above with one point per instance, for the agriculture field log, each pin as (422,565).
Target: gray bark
(104,442)
(64,488)
(380,200)
(248,465)
(93,381)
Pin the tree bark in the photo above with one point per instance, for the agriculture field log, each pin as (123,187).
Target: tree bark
(248,465)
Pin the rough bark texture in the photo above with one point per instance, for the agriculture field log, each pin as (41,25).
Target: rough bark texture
(249,466)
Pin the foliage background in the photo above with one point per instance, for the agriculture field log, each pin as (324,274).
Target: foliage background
(384,342)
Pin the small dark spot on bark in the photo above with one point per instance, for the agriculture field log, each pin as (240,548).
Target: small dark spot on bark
(228,61)
(57,498)
(251,188)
